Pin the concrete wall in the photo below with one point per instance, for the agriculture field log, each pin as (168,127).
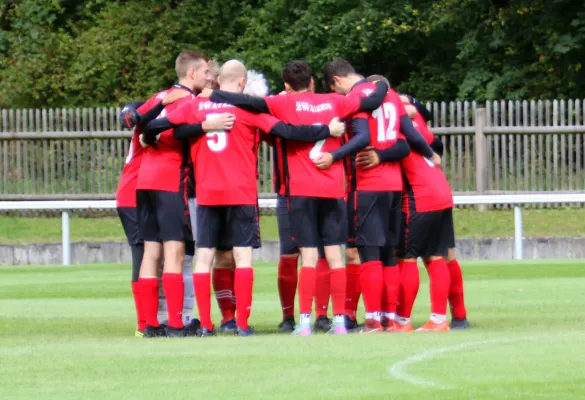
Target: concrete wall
(119,252)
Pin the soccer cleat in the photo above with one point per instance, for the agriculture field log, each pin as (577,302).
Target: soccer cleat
(205,332)
(458,324)
(192,328)
(155,331)
(431,326)
(245,332)
(371,326)
(398,327)
(139,333)
(175,332)
(350,324)
(229,327)
(302,330)
(338,329)
(287,325)
(322,324)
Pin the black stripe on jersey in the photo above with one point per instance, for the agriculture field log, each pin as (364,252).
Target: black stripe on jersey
(276,166)
(411,203)
(286,173)
(186,174)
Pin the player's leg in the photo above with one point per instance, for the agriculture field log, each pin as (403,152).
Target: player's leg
(352,267)
(148,276)
(209,225)
(172,217)
(390,268)
(410,238)
(372,228)
(433,256)
(322,293)
(456,293)
(223,276)
(243,228)
(190,322)
(129,219)
(333,230)
(304,224)
(288,274)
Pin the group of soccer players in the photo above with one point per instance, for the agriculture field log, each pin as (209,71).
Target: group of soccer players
(191,174)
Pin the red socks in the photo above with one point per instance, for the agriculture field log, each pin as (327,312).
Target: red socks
(149,297)
(138,305)
(338,285)
(243,285)
(287,284)
(409,283)
(174,289)
(352,289)
(223,286)
(201,284)
(322,288)
(456,299)
(439,285)
(306,289)
(372,283)
(391,288)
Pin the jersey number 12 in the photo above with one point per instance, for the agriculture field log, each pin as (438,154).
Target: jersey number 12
(386,112)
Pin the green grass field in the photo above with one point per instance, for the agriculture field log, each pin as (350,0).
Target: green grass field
(67,333)
(468,223)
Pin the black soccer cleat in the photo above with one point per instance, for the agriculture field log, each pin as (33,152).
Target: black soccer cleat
(245,332)
(350,324)
(173,332)
(192,328)
(229,327)
(205,332)
(459,324)
(322,324)
(155,331)
(288,324)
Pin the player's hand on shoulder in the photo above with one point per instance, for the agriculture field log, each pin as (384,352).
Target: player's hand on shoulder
(368,158)
(336,127)
(222,122)
(206,93)
(128,118)
(436,159)
(323,160)
(174,96)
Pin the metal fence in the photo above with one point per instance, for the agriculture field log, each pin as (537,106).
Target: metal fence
(500,146)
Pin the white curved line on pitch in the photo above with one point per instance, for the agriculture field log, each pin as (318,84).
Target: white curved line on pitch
(398,370)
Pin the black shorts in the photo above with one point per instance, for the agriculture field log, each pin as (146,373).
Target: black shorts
(426,234)
(163,216)
(287,244)
(318,221)
(129,218)
(377,218)
(226,227)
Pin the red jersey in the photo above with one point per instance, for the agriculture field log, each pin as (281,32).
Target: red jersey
(126,193)
(225,161)
(165,164)
(426,187)
(295,159)
(384,126)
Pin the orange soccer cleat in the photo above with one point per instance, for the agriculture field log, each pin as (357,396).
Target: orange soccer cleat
(431,326)
(398,327)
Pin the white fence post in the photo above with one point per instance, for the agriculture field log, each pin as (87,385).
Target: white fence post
(66,239)
(518,245)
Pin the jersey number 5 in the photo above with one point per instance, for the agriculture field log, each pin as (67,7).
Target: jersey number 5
(386,112)
(216,140)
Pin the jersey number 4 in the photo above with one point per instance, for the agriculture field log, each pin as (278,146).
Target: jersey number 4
(386,113)
(216,140)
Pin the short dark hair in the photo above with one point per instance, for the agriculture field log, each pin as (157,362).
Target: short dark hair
(374,78)
(339,67)
(297,74)
(188,59)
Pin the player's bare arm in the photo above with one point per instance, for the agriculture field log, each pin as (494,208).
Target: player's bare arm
(371,157)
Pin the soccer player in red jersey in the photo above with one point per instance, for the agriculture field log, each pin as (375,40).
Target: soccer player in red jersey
(420,115)
(377,191)
(226,188)
(316,206)
(426,232)
(136,115)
